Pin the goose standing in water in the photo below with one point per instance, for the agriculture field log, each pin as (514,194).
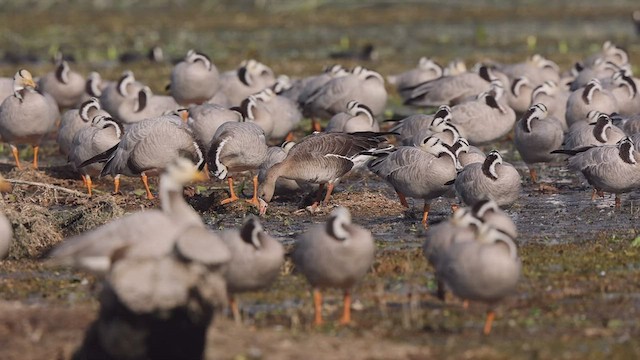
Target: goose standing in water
(256,259)
(103,134)
(26,116)
(237,147)
(421,172)
(321,158)
(194,80)
(147,147)
(484,269)
(334,255)
(492,179)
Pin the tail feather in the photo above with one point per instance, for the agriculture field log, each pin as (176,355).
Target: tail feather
(572,151)
(102,157)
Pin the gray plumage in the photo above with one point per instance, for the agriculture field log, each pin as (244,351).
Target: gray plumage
(194,80)
(599,132)
(357,117)
(276,154)
(63,84)
(467,154)
(205,119)
(536,69)
(537,134)
(236,147)
(250,77)
(6,235)
(283,113)
(145,105)
(490,213)
(460,227)
(116,92)
(426,70)
(554,97)
(624,88)
(75,119)
(588,98)
(101,135)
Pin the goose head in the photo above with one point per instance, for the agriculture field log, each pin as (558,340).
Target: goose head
(250,69)
(615,53)
(543,63)
(247,107)
(535,112)
(460,146)
(195,56)
(92,86)
(548,88)
(622,79)
(491,101)
(627,151)
(87,107)
(603,124)
(252,231)
(455,67)
(283,83)
(62,72)
(287,145)
(142,100)
(482,207)
(337,224)
(441,123)
(591,88)
(518,84)
(464,218)
(125,80)
(426,64)
(103,122)
(354,108)
(265,95)
(490,163)
(22,80)
(489,235)
(366,74)
(436,147)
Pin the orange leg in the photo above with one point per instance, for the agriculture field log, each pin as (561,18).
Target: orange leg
(14,151)
(116,184)
(235,311)
(403,199)
(232,194)
(254,200)
(145,182)
(36,148)
(488,322)
(346,310)
(454,207)
(425,214)
(318,197)
(87,183)
(533,174)
(289,136)
(618,202)
(317,305)
(329,191)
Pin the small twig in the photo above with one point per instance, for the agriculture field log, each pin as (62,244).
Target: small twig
(48,186)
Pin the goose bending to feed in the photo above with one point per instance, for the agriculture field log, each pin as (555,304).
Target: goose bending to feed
(276,154)
(336,254)
(75,119)
(64,85)
(147,147)
(103,134)
(536,135)
(26,116)
(194,80)
(256,259)
(321,158)
(608,168)
(421,172)
(237,147)
(492,179)
(484,269)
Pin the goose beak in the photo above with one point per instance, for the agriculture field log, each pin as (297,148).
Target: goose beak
(28,82)
(184,114)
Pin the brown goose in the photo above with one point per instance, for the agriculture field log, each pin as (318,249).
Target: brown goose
(321,158)
(147,147)
(237,147)
(256,259)
(335,254)
(103,134)
(63,84)
(194,80)
(26,116)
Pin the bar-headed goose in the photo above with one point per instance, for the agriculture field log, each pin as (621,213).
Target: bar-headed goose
(237,147)
(624,88)
(26,116)
(554,97)
(117,92)
(249,78)
(465,153)
(492,179)
(422,172)
(334,255)
(256,259)
(426,70)
(536,135)
(490,213)
(590,97)
(357,117)
(75,119)
(194,80)
(205,119)
(64,85)
(485,269)
(144,105)
(284,113)
(599,131)
(103,134)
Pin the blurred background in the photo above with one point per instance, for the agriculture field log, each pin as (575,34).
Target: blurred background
(301,36)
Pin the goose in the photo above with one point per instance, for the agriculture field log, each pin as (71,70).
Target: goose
(256,259)
(421,172)
(144,106)
(407,127)
(440,127)
(26,116)
(608,168)
(363,85)
(537,69)
(490,213)
(609,52)
(143,234)
(251,77)
(63,84)
(103,134)
(426,70)
(116,92)
(600,69)
(519,98)
(94,86)
(312,84)
(460,227)
(485,269)
(205,119)
(492,179)
(6,88)
(276,154)
(321,158)
(284,113)
(629,124)
(334,255)
(147,147)
(358,117)
(237,147)
(6,230)
(466,153)
(75,119)
(625,89)
(600,131)
(536,135)
(289,88)
(554,98)
(590,97)
(194,80)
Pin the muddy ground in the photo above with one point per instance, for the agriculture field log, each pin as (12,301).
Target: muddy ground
(579,297)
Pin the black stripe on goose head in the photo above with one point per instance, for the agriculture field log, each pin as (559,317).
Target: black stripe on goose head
(104,122)
(460,146)
(202,57)
(485,73)
(601,126)
(489,166)
(143,97)
(251,230)
(92,85)
(591,87)
(481,207)
(86,107)
(626,150)
(491,101)
(622,79)
(244,76)
(124,81)
(246,108)
(537,111)
(517,85)
(62,72)
(337,224)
